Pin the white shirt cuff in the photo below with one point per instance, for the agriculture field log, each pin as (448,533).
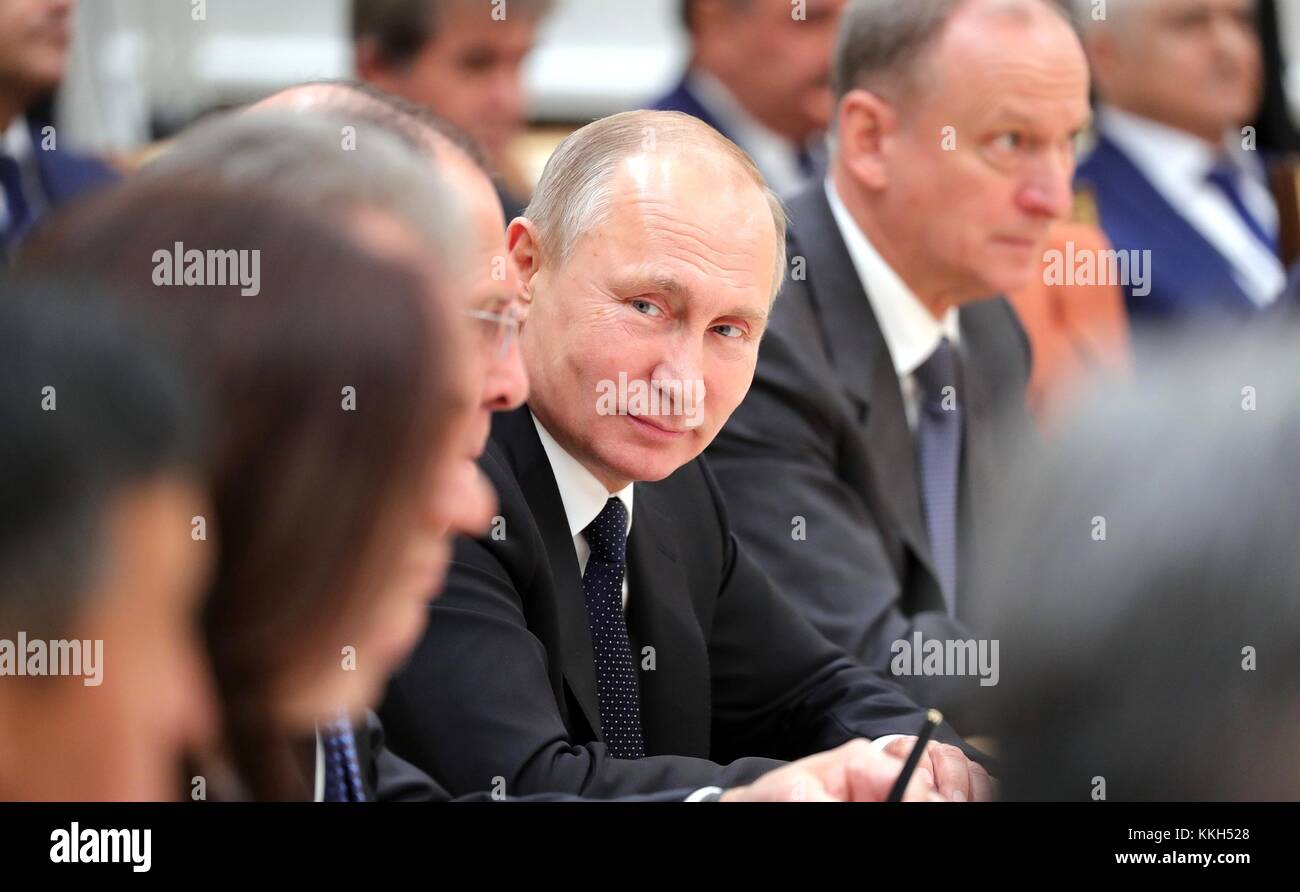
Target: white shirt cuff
(702,792)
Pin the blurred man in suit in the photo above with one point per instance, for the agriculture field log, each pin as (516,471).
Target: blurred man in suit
(1151,643)
(890,387)
(462,59)
(759,74)
(1172,171)
(103,682)
(569,655)
(36,172)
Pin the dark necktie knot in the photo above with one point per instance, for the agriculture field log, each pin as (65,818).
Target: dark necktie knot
(937,373)
(607,535)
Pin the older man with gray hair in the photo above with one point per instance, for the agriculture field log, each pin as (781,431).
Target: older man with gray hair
(609,636)
(890,387)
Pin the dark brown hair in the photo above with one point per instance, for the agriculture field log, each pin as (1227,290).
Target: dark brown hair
(301,486)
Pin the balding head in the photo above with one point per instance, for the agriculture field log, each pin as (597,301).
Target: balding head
(477,273)
(1194,65)
(575,193)
(953,154)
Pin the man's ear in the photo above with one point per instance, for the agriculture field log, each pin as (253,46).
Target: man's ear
(866,123)
(524,254)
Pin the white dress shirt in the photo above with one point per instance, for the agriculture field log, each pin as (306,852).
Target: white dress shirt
(911,331)
(777,158)
(16,142)
(584,496)
(1176,165)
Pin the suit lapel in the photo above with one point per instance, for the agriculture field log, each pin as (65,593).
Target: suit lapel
(675,699)
(863,364)
(577,662)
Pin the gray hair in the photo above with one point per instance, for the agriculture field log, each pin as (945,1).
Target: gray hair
(327,164)
(883,44)
(574,195)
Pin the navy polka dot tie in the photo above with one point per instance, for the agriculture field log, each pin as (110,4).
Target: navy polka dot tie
(616,679)
(342,771)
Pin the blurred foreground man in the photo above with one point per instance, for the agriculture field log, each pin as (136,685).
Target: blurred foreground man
(608,636)
(890,389)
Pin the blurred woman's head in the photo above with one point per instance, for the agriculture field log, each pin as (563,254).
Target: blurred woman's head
(339,391)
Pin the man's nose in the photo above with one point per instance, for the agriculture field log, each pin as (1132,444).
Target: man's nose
(1049,191)
(506,385)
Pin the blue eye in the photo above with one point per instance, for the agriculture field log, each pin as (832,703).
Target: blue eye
(646,308)
(735,330)
(1010,141)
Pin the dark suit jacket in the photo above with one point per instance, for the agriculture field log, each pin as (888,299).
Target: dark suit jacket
(822,435)
(503,683)
(389,778)
(1189,278)
(62,176)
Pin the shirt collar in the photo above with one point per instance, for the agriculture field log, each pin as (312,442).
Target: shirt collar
(584,496)
(1165,154)
(16,141)
(910,330)
(776,156)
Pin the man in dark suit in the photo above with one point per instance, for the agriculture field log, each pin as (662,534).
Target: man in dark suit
(566,654)
(36,172)
(759,74)
(1174,171)
(376,773)
(890,388)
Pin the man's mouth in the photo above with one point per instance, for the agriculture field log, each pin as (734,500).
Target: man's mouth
(654,428)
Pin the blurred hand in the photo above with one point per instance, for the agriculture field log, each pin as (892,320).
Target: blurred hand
(958,779)
(853,772)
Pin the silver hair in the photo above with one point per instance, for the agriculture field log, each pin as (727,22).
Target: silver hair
(575,195)
(883,44)
(327,164)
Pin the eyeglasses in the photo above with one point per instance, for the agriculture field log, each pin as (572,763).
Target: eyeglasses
(497,331)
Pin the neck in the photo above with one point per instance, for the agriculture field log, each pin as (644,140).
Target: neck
(736,88)
(612,481)
(934,294)
(1210,135)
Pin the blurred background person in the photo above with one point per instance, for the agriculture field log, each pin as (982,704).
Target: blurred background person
(36,171)
(462,59)
(1172,171)
(1147,610)
(759,74)
(344,513)
(100,479)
